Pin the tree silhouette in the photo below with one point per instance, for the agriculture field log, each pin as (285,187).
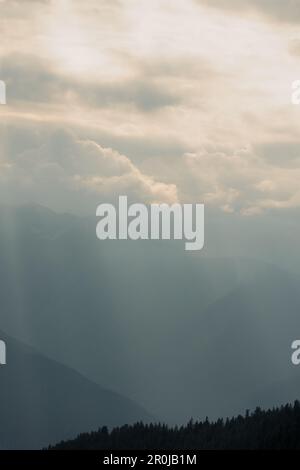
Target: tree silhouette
(278,428)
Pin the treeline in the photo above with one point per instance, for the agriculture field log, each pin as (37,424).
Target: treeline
(278,428)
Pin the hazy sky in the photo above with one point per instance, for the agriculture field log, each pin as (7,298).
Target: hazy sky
(162,100)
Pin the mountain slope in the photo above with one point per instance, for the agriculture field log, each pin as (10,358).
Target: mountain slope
(250,334)
(42,401)
(183,334)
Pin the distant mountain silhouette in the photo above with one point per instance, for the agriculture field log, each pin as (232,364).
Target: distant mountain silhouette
(182,334)
(262,430)
(42,401)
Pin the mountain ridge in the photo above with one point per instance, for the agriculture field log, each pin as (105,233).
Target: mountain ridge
(41,399)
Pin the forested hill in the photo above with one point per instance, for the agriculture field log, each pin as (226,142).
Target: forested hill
(278,428)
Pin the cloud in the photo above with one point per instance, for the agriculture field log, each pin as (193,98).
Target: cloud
(32,79)
(67,173)
(282,11)
(19,8)
(246,180)
(163,101)
(280,154)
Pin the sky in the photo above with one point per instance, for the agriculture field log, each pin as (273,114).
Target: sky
(163,101)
